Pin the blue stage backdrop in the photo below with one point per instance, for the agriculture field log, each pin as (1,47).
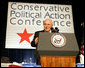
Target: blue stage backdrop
(20,55)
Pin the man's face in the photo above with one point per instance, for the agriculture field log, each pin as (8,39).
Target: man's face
(47,25)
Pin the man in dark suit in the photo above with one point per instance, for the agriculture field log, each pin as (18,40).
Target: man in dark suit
(47,28)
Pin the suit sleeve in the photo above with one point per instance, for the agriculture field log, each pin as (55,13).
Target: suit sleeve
(33,42)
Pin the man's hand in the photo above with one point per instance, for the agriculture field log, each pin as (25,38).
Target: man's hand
(36,40)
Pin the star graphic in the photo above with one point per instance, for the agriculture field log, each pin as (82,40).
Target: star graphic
(25,36)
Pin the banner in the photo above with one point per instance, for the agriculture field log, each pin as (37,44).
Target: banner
(24,19)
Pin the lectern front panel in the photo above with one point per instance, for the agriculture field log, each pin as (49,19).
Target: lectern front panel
(45,47)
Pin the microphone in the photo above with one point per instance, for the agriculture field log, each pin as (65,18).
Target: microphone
(53,30)
(56,30)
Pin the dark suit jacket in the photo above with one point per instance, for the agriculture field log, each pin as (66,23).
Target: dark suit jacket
(36,35)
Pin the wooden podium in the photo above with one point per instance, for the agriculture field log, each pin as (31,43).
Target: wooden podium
(58,61)
(51,56)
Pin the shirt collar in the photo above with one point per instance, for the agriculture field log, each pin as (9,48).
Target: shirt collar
(50,31)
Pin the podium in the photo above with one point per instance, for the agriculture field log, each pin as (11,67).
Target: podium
(51,56)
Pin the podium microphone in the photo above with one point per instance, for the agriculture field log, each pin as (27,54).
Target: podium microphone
(56,30)
(53,30)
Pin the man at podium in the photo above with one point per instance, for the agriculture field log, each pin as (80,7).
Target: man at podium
(47,28)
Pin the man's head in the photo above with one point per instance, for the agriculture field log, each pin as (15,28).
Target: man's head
(48,25)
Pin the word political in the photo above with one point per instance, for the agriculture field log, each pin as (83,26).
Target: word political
(32,14)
